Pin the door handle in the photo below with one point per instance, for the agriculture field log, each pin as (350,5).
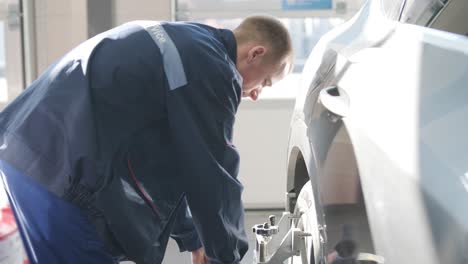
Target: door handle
(335,100)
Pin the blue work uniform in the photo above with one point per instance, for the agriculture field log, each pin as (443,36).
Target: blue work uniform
(134,127)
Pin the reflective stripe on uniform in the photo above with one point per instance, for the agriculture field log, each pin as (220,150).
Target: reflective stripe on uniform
(173,66)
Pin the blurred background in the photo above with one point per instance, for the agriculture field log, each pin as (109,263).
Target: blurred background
(35,33)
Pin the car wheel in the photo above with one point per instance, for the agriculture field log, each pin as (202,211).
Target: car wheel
(305,207)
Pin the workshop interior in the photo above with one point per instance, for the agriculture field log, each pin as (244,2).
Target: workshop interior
(359,155)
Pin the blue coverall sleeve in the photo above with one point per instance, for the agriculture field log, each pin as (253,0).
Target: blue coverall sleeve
(201,120)
(183,231)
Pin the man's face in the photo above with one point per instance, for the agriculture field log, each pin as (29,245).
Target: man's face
(260,73)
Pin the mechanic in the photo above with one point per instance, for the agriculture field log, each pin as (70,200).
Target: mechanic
(117,144)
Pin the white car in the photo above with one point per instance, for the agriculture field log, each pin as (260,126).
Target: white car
(379,135)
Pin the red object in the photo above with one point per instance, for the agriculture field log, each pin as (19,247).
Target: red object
(11,247)
(142,191)
(7,223)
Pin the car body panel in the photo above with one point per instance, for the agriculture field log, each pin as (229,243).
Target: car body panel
(407,88)
(410,143)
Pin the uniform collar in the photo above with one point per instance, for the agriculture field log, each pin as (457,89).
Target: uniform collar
(229,41)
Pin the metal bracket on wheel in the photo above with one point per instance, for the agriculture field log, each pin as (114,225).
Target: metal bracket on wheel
(276,243)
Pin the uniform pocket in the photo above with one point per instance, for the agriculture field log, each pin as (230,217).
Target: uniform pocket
(151,170)
(139,190)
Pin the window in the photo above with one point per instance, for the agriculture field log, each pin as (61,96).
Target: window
(420,12)
(11,61)
(306,23)
(305,33)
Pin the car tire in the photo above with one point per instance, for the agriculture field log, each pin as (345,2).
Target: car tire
(308,222)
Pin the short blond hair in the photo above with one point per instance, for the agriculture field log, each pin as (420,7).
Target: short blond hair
(266,30)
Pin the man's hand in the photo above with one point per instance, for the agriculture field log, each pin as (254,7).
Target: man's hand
(199,257)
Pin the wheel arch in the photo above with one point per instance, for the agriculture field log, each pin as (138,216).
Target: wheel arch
(302,167)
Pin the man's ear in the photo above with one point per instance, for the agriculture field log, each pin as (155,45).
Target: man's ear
(256,52)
